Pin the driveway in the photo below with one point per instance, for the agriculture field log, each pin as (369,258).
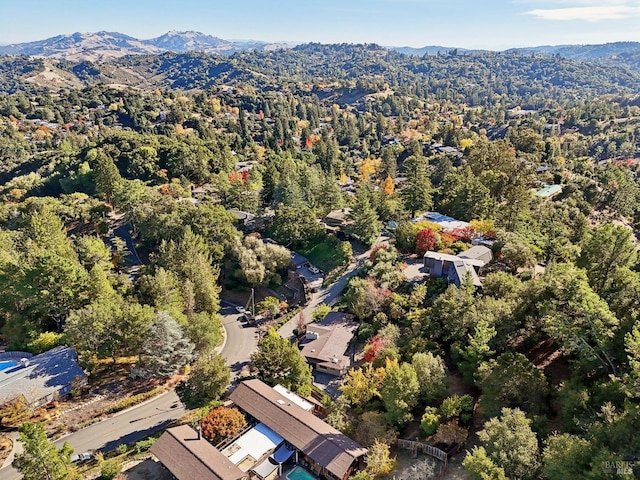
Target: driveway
(328,295)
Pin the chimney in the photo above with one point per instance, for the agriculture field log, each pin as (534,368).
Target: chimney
(198,429)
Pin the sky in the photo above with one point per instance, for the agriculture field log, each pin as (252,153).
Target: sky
(486,24)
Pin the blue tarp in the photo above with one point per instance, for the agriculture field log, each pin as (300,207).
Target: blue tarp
(282,453)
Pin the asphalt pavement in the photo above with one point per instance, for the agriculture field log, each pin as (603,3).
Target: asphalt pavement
(241,339)
(127,426)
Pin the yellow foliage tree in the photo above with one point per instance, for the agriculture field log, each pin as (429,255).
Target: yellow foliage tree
(368,168)
(466,143)
(361,385)
(483,226)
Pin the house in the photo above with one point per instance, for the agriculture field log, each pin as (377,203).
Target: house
(447,223)
(40,379)
(455,268)
(248,220)
(326,344)
(281,429)
(325,450)
(310,276)
(337,219)
(187,456)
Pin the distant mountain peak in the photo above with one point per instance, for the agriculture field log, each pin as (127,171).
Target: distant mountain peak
(103,45)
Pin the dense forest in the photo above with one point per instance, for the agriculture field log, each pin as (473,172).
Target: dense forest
(165,147)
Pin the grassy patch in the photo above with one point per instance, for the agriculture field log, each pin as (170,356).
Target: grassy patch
(327,255)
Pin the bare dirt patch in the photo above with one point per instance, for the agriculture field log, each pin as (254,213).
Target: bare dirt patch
(148,469)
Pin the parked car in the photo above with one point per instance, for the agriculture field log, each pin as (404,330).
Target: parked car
(82,457)
(313,269)
(240,309)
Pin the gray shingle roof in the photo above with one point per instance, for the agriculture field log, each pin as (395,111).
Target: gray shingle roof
(46,377)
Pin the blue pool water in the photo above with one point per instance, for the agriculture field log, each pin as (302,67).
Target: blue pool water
(5,364)
(299,473)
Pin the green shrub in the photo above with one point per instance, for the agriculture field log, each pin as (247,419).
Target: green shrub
(144,445)
(122,449)
(430,421)
(110,469)
(455,406)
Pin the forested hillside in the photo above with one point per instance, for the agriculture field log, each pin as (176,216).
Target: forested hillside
(541,360)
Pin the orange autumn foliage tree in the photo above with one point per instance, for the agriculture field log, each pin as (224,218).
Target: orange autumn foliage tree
(388,186)
(221,423)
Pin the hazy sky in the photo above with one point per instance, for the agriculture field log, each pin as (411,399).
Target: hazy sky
(495,24)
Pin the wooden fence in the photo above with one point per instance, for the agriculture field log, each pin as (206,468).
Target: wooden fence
(418,447)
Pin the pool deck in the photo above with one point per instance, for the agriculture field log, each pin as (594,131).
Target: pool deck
(286,477)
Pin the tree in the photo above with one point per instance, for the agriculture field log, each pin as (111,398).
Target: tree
(477,349)
(165,349)
(105,173)
(511,444)
(425,241)
(208,379)
(478,464)
(432,376)
(280,362)
(270,306)
(40,459)
(361,385)
(566,456)
(296,226)
(379,461)
(400,389)
(512,381)
(606,249)
(416,192)
(221,423)
(371,427)
(365,225)
(576,317)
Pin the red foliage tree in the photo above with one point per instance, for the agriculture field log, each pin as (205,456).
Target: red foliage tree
(465,234)
(372,348)
(221,423)
(425,241)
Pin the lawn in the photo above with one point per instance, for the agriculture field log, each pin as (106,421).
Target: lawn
(326,255)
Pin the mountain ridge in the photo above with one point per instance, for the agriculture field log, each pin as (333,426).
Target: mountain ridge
(105,46)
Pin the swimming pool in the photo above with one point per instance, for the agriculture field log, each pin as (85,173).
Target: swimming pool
(299,473)
(5,364)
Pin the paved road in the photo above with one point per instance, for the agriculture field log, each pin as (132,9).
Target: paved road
(328,296)
(125,427)
(241,339)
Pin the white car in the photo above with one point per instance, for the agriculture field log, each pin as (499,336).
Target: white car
(240,309)
(81,457)
(313,269)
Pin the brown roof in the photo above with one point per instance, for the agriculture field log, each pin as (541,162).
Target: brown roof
(315,438)
(188,457)
(334,335)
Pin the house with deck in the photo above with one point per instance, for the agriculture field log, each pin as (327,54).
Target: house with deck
(283,437)
(455,268)
(326,344)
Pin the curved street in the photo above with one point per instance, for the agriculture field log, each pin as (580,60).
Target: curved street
(140,421)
